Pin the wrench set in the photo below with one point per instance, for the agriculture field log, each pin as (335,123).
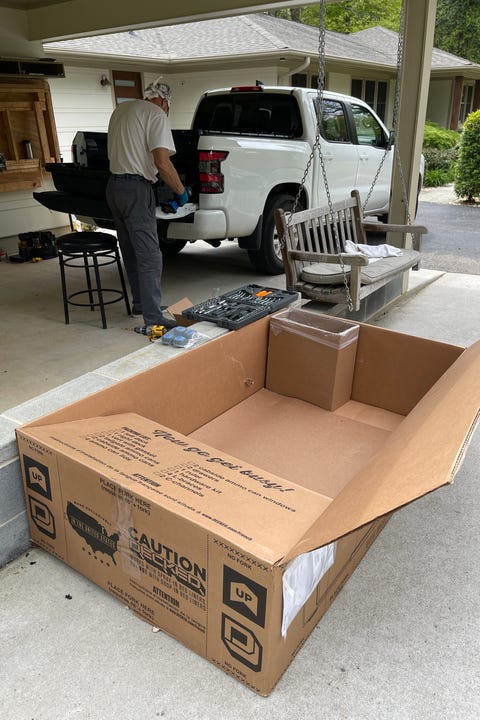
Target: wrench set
(239,307)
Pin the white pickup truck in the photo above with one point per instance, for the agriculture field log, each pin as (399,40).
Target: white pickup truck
(245,155)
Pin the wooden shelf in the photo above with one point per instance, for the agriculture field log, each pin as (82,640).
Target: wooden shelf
(21,175)
(31,67)
(23,165)
(26,114)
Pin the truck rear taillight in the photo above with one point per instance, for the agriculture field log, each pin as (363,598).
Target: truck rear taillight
(247,88)
(211,176)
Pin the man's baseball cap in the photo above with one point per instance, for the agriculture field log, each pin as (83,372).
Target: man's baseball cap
(158,89)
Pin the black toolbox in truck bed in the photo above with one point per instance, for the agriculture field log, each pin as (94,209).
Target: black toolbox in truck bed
(79,180)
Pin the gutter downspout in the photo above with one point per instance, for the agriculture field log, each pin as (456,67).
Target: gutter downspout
(303,66)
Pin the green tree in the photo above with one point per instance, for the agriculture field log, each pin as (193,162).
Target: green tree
(457,28)
(354,15)
(467,173)
(348,16)
(295,14)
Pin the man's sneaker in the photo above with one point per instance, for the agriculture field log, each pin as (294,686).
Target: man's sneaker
(136,311)
(168,322)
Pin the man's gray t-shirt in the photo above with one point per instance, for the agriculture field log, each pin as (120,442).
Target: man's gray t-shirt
(136,128)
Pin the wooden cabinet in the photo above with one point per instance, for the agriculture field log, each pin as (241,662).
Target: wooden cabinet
(28,136)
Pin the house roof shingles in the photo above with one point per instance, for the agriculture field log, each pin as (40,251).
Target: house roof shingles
(246,35)
(387,40)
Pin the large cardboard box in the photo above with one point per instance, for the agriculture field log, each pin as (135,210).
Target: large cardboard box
(229,514)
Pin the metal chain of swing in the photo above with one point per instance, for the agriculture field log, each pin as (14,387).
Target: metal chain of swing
(316,147)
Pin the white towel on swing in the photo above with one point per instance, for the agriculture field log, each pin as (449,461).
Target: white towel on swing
(373,251)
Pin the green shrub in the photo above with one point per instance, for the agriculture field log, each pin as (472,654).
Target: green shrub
(440,147)
(439,166)
(439,159)
(467,172)
(435,136)
(438,178)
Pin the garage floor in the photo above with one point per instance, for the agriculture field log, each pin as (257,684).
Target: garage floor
(39,352)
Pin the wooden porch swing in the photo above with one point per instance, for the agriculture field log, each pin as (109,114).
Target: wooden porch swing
(325,250)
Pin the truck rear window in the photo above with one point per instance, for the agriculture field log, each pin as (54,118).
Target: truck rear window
(249,114)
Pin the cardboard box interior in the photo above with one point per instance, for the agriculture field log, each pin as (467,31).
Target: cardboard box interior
(413,405)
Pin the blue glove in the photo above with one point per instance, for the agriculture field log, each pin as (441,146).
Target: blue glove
(170,207)
(183,198)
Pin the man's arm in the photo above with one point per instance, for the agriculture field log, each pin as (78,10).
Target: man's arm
(166,170)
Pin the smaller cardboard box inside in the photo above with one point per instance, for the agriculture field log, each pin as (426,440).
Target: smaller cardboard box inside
(230,492)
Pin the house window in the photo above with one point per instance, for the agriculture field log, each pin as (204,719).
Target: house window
(299,80)
(466,103)
(126,86)
(373,92)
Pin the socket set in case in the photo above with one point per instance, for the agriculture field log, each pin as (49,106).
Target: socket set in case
(242,306)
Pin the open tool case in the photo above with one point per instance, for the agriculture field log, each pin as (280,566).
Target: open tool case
(239,307)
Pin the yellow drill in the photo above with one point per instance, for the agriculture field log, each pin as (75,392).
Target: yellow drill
(157,332)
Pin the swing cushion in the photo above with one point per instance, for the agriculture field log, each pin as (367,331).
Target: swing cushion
(324,274)
(331,273)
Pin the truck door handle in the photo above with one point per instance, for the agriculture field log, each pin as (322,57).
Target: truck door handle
(363,156)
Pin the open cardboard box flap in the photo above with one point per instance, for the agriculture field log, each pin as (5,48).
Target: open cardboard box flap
(424,453)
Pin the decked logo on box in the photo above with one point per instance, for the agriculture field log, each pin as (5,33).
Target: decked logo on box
(242,643)
(42,517)
(244,595)
(37,477)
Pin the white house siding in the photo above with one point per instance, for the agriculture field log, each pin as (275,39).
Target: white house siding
(392,89)
(339,82)
(80,103)
(438,110)
(20,213)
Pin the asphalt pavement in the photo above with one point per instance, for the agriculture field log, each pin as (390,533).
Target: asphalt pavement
(453,241)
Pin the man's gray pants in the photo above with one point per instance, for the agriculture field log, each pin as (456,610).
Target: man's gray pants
(132,203)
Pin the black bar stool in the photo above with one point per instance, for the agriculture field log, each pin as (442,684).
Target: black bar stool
(86,250)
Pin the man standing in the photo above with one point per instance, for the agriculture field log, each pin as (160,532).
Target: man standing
(140,144)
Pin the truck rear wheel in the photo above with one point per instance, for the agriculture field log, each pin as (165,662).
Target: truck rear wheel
(170,248)
(268,258)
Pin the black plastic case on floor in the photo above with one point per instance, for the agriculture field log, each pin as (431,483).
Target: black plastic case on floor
(242,306)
